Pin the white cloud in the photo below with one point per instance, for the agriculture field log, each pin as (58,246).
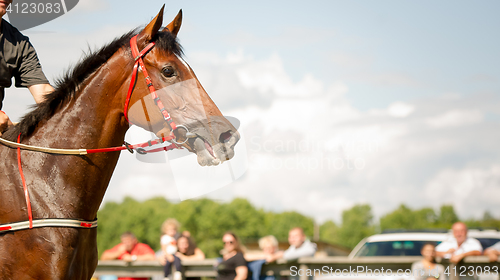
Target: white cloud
(455,118)
(270,76)
(471,190)
(400,109)
(242,81)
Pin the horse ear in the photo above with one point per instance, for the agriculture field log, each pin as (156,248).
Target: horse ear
(175,25)
(150,30)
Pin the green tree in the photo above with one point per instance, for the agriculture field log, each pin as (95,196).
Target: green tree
(329,232)
(356,225)
(405,218)
(401,218)
(488,222)
(144,219)
(447,216)
(205,219)
(425,218)
(279,224)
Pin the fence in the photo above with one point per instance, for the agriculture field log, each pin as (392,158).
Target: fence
(338,267)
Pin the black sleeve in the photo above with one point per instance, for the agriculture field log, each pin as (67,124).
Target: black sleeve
(29,71)
(239,260)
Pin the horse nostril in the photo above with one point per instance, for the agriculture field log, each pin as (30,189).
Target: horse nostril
(224,137)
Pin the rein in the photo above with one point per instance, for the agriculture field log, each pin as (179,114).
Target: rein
(139,148)
(75,223)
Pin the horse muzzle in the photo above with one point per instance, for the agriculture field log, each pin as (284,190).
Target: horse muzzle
(212,153)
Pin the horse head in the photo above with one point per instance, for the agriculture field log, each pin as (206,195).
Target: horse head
(202,129)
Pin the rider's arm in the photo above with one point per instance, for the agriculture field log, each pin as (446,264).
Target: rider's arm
(39,91)
(4,122)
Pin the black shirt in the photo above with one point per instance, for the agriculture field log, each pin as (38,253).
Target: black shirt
(226,270)
(18,59)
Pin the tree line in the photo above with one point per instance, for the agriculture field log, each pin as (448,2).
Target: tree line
(207,221)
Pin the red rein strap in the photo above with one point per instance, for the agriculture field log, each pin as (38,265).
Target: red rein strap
(138,146)
(26,194)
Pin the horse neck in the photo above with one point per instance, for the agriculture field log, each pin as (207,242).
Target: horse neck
(94,119)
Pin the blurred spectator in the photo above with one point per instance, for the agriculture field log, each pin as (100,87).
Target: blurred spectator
(270,252)
(187,249)
(299,245)
(169,230)
(129,250)
(427,269)
(233,265)
(493,252)
(459,246)
(168,243)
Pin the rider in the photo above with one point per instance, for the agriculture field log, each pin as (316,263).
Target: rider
(18,59)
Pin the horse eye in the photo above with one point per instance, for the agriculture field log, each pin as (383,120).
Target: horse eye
(168,72)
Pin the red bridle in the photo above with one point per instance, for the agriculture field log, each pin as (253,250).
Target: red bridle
(138,147)
(140,63)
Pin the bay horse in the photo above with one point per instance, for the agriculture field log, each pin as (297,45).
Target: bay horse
(87,110)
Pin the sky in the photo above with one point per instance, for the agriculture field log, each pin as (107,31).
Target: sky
(339,102)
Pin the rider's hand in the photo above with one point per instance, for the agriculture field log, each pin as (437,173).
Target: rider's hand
(4,122)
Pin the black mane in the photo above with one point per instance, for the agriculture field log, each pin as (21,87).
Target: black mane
(66,88)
